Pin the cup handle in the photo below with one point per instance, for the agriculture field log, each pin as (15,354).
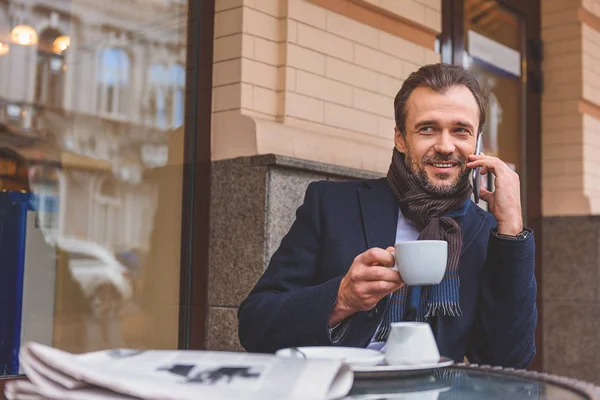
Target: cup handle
(395,267)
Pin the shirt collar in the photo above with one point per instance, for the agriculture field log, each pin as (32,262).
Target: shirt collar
(461,211)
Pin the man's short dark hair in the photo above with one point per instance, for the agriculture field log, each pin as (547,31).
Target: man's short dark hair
(440,78)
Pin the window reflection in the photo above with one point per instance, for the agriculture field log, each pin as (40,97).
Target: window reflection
(91,142)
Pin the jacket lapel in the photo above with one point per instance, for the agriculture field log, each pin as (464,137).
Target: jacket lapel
(379,210)
(470,226)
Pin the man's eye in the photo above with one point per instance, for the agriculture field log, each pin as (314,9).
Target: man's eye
(426,129)
(462,130)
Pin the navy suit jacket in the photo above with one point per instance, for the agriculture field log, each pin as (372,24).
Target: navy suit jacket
(292,302)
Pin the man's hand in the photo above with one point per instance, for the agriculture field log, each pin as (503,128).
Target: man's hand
(505,202)
(368,280)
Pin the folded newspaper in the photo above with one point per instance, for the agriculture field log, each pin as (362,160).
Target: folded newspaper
(124,374)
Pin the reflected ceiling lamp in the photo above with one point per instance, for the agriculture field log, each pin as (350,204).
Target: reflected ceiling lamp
(60,44)
(4,49)
(24,35)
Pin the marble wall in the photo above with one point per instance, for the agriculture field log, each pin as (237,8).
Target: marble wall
(253,204)
(571,296)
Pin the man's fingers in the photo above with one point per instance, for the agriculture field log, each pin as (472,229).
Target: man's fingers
(377,256)
(485,194)
(383,287)
(375,273)
(488,164)
(485,164)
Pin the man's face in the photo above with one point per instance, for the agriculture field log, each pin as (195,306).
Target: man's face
(441,132)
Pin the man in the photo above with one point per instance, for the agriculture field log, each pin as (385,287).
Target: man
(329,283)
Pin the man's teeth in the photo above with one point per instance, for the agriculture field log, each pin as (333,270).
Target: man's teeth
(443,165)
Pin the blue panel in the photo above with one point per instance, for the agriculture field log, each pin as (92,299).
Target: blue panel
(13,225)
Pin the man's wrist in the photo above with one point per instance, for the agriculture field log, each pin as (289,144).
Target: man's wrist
(510,229)
(339,313)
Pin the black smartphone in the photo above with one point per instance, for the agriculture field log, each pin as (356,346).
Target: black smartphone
(477,171)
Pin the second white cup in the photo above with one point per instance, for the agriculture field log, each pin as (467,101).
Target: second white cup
(411,343)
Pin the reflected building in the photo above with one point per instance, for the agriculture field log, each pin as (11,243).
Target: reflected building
(111,90)
(91,105)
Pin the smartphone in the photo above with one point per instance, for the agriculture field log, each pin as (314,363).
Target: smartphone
(477,171)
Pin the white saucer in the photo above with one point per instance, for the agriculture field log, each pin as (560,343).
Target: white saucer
(353,356)
(390,371)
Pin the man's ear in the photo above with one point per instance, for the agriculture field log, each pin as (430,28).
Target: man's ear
(399,140)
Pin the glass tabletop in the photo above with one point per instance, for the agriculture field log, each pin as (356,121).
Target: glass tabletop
(463,384)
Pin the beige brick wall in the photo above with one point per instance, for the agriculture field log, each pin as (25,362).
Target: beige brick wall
(363,69)
(570,108)
(327,77)
(424,12)
(591,155)
(592,6)
(249,56)
(591,64)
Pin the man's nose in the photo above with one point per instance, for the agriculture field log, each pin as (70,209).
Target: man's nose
(445,144)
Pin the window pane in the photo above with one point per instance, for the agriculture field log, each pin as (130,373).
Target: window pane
(90,211)
(177,77)
(114,72)
(490,24)
(161,107)
(178,121)
(177,82)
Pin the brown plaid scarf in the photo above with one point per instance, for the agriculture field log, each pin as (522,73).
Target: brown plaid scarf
(427,211)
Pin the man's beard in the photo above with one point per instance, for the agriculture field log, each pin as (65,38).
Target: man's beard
(431,187)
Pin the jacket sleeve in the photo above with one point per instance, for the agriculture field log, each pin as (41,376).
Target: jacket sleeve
(504,334)
(290,306)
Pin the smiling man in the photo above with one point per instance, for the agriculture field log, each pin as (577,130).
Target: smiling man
(329,283)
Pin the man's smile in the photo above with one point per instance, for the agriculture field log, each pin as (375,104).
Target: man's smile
(442,167)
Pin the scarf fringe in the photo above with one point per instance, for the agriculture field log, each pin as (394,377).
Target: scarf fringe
(445,308)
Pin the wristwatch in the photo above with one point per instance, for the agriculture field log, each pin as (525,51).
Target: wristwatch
(524,234)
(332,329)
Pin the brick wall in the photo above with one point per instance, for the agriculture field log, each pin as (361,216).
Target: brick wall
(571,107)
(592,6)
(424,12)
(325,78)
(345,74)
(248,56)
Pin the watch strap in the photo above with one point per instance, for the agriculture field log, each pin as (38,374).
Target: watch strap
(524,234)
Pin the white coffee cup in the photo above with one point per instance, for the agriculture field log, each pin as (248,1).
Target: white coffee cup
(411,343)
(421,262)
